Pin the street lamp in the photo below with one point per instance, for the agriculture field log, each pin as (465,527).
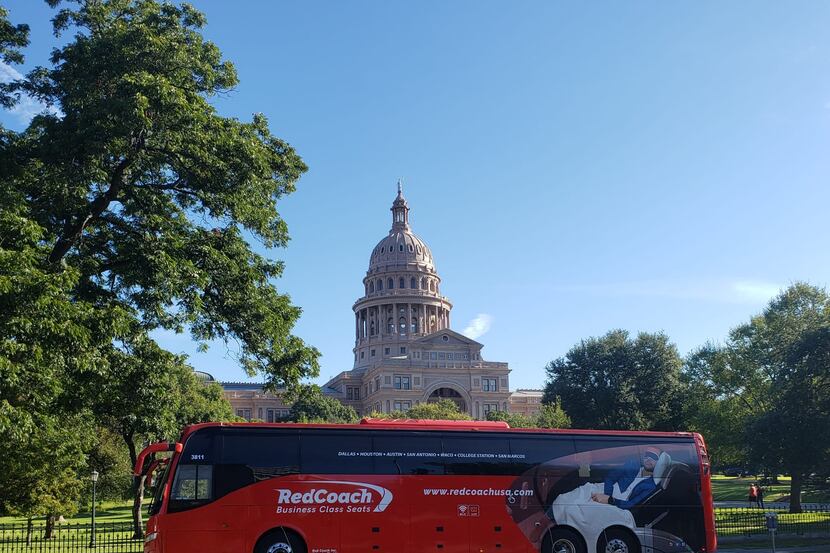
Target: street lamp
(94,481)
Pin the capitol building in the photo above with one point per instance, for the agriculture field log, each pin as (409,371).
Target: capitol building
(405,351)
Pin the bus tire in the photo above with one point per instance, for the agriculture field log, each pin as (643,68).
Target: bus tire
(280,540)
(563,540)
(618,540)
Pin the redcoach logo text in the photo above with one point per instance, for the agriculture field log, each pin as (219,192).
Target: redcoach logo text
(332,496)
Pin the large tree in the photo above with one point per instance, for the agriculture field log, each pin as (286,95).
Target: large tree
(710,408)
(775,371)
(147,192)
(149,394)
(125,208)
(311,405)
(616,382)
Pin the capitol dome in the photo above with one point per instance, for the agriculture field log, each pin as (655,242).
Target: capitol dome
(401,247)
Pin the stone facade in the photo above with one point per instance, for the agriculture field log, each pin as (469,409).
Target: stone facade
(526,402)
(405,352)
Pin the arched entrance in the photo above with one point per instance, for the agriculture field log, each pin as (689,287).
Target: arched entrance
(448,393)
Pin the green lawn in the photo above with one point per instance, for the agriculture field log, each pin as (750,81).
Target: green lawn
(107,511)
(728,488)
(802,545)
(741,522)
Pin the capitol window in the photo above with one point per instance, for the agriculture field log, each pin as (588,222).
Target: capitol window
(411,248)
(403,350)
(401,283)
(380,285)
(400,247)
(390,283)
(489,384)
(371,287)
(413,283)
(402,382)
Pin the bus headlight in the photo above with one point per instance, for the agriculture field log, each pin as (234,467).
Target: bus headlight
(150,537)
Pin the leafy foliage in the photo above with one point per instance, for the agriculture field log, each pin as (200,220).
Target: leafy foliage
(312,405)
(615,382)
(124,209)
(773,373)
(40,472)
(444,409)
(146,191)
(551,415)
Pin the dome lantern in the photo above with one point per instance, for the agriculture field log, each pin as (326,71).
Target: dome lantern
(400,211)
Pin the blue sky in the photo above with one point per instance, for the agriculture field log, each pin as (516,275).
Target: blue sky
(575,167)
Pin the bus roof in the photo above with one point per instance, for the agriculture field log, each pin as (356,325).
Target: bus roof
(427,425)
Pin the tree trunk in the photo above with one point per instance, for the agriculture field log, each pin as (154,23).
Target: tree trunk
(49,531)
(29,528)
(795,492)
(138,497)
(138,488)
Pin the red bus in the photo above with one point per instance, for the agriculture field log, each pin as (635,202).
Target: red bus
(422,486)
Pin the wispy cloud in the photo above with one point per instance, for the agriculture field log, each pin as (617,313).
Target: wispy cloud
(478,326)
(27,107)
(745,291)
(755,291)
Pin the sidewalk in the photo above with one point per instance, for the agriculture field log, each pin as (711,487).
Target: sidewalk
(819,548)
(818,545)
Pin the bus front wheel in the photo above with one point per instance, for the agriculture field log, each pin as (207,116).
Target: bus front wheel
(563,540)
(280,540)
(617,540)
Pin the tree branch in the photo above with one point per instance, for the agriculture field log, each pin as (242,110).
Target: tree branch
(72,231)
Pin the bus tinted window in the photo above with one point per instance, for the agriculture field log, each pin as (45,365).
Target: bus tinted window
(407,454)
(250,456)
(465,454)
(267,453)
(200,447)
(333,452)
(532,450)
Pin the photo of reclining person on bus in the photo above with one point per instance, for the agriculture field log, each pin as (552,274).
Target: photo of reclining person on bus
(594,506)
(652,491)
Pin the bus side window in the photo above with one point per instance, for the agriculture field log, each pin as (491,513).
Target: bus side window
(476,455)
(407,453)
(336,452)
(193,483)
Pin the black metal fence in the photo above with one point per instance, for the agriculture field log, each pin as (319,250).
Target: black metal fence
(749,522)
(110,537)
(117,537)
